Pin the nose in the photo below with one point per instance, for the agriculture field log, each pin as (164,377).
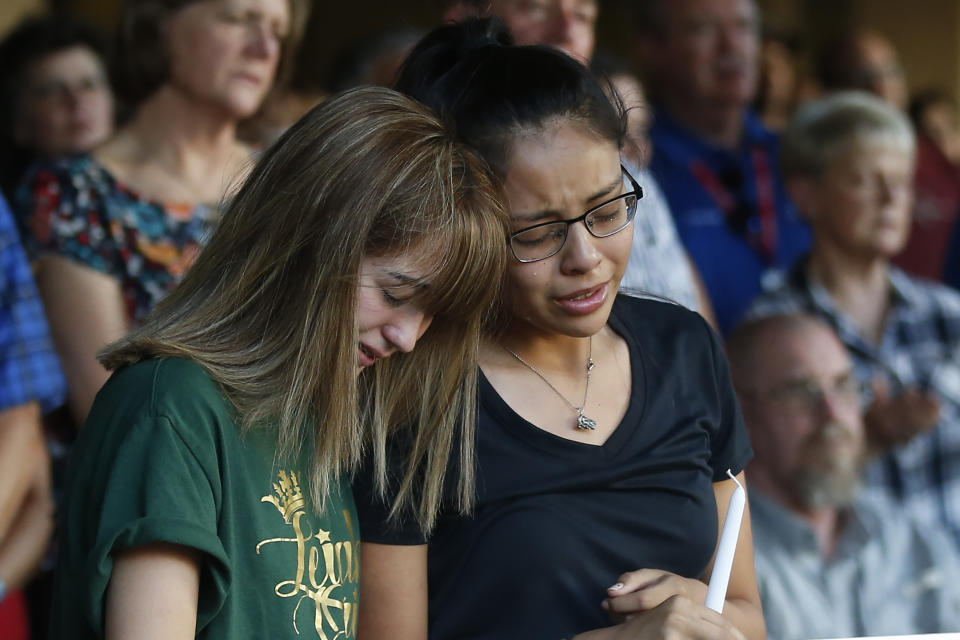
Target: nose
(730,39)
(884,190)
(560,33)
(73,96)
(891,189)
(834,406)
(406,328)
(263,41)
(580,253)
(828,404)
(85,97)
(738,38)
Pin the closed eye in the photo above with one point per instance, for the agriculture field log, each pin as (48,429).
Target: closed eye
(393,299)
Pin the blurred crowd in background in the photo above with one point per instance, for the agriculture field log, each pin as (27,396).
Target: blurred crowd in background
(117,150)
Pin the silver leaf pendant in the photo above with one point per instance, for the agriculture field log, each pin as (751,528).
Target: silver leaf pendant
(585,424)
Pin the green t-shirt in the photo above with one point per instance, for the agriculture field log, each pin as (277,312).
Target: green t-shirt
(161,459)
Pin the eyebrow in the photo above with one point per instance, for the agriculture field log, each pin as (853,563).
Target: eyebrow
(554,213)
(408,280)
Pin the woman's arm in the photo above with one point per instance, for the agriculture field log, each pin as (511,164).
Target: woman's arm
(26,540)
(86,312)
(678,617)
(640,593)
(393,592)
(742,606)
(153,594)
(22,451)
(703,296)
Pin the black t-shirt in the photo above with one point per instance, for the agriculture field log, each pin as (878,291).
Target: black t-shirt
(557,521)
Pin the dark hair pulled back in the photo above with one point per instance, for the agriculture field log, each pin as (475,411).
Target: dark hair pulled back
(491,90)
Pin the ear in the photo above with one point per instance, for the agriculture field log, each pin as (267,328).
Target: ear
(805,192)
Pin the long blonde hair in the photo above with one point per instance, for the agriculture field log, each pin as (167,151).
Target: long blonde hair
(269,308)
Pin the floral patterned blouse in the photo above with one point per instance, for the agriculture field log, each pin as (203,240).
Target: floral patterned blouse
(75,208)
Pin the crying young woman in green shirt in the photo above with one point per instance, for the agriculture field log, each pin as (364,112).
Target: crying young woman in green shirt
(209,490)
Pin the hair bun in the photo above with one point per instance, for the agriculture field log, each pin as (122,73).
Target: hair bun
(439,53)
(480,33)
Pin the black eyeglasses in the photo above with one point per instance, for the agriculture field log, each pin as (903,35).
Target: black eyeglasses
(543,240)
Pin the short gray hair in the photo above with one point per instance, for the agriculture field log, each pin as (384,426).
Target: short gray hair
(822,128)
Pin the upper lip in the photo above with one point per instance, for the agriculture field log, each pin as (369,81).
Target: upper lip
(251,76)
(727,65)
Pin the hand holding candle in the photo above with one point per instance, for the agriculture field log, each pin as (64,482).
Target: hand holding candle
(717,590)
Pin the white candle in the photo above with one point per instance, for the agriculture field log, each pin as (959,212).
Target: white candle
(717,591)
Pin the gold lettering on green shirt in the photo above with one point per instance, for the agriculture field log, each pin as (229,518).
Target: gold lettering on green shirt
(327,571)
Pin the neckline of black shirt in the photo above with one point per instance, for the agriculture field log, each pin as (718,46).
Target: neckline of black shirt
(513,424)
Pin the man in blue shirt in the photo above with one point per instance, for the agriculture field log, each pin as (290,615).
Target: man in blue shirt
(30,382)
(715,161)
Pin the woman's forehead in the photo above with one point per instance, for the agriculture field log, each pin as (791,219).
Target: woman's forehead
(869,147)
(410,264)
(568,167)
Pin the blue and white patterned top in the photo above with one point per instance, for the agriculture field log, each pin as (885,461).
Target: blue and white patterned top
(77,209)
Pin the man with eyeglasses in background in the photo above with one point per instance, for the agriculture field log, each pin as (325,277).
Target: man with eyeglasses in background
(714,158)
(831,560)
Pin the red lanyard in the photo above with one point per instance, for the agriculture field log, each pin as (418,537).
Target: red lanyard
(766,199)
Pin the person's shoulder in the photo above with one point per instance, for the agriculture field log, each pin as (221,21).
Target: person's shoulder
(651,308)
(75,167)
(675,145)
(178,380)
(768,519)
(178,389)
(757,132)
(901,532)
(651,319)
(923,294)
(780,298)
(69,183)
(161,372)
(889,520)
(8,225)
(176,375)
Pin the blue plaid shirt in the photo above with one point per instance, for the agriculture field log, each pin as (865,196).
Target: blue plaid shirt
(920,347)
(29,369)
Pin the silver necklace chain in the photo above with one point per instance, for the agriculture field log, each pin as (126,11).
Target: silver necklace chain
(583,422)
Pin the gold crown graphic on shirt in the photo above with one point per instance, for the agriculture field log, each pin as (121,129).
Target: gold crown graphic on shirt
(289,497)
